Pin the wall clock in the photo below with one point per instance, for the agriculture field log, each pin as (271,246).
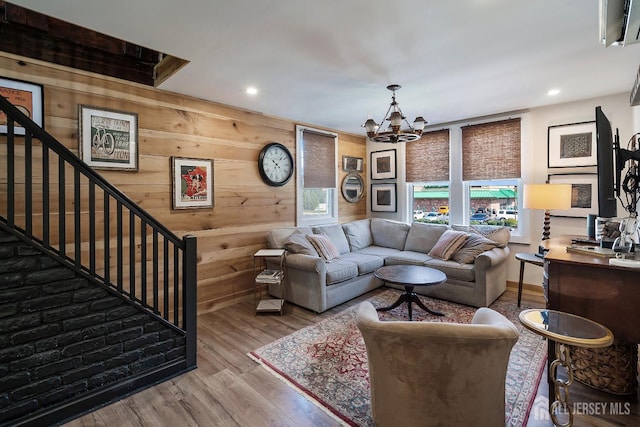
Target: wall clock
(275,164)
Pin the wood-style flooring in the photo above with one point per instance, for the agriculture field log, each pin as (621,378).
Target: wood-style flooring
(230,389)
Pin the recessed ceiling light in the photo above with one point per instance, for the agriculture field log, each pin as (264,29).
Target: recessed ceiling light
(553,92)
(251,90)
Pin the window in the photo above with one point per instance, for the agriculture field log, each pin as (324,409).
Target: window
(431,202)
(317,195)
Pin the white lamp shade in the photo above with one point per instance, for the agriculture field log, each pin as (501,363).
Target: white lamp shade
(547,196)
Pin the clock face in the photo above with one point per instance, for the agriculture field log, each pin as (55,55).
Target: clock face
(275,164)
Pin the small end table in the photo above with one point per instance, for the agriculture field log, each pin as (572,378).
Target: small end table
(565,330)
(530,258)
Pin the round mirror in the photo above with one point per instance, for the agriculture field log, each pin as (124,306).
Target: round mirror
(352,187)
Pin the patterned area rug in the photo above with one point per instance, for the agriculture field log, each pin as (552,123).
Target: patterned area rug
(327,362)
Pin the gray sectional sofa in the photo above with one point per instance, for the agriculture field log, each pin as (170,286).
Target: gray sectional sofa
(476,275)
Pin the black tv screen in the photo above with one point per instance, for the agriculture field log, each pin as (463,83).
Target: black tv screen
(607,204)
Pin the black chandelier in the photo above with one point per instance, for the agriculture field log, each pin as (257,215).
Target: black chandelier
(393,133)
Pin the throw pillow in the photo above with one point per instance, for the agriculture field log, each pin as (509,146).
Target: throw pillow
(448,244)
(500,235)
(474,246)
(326,249)
(297,243)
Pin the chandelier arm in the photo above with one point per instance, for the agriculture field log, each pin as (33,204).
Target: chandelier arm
(384,118)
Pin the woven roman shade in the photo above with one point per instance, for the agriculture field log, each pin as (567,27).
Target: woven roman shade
(319,151)
(491,150)
(427,159)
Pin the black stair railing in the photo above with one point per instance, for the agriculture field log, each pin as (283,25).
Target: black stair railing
(93,227)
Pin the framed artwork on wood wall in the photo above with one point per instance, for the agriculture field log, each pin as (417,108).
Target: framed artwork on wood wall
(108,138)
(192,181)
(584,194)
(383,197)
(26,97)
(383,164)
(352,164)
(572,145)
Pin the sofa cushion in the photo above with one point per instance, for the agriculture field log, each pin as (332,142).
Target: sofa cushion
(422,237)
(278,236)
(454,270)
(378,251)
(389,234)
(448,244)
(358,234)
(366,263)
(407,257)
(298,243)
(500,235)
(339,271)
(474,246)
(336,235)
(324,246)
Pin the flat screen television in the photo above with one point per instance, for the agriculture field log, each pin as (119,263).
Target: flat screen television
(607,203)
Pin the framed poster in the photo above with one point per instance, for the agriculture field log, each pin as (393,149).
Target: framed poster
(383,197)
(383,164)
(572,145)
(584,194)
(27,97)
(192,182)
(108,138)
(352,164)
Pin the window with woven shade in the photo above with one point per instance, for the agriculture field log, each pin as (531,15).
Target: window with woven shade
(427,159)
(491,150)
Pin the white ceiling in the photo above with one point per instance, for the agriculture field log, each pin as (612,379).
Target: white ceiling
(327,62)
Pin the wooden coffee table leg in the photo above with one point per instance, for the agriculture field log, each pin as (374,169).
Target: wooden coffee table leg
(402,298)
(416,299)
(409,297)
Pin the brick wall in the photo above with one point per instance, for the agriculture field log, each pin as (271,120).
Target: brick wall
(62,336)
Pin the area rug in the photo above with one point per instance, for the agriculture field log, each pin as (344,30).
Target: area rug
(327,361)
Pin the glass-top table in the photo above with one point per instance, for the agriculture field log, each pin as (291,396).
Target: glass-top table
(566,330)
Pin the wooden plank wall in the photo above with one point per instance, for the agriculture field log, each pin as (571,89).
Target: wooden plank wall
(175,125)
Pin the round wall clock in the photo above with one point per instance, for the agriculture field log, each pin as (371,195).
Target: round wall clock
(275,164)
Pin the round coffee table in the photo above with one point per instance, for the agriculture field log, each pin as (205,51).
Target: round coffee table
(410,276)
(566,330)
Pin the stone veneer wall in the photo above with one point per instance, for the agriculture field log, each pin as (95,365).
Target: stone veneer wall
(62,336)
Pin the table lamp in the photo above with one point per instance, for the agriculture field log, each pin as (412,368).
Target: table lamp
(547,197)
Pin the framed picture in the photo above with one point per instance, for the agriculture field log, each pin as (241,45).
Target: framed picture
(27,97)
(572,145)
(352,164)
(584,194)
(108,138)
(383,164)
(192,183)
(383,197)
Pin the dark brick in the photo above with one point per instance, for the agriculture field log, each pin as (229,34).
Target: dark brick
(19,294)
(64,286)
(124,335)
(83,347)
(138,319)
(109,376)
(37,359)
(7,310)
(94,331)
(106,303)
(35,388)
(10,280)
(18,264)
(120,312)
(20,322)
(48,262)
(166,334)
(82,373)
(59,341)
(8,237)
(18,409)
(49,275)
(4,400)
(153,326)
(64,313)
(45,302)
(35,333)
(24,250)
(123,359)
(180,340)
(14,353)
(56,367)
(89,294)
(6,252)
(16,380)
(146,364)
(160,347)
(83,322)
(102,354)
(141,341)
(64,392)
(175,353)
(4,369)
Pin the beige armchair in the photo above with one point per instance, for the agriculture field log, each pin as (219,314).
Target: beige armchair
(437,374)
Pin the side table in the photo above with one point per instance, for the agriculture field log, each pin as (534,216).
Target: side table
(565,330)
(525,257)
(265,277)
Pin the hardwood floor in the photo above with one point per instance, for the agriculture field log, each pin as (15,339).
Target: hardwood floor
(230,389)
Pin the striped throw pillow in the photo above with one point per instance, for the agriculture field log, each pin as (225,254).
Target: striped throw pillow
(324,246)
(448,244)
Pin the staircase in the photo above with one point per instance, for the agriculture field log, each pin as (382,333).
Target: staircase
(97,299)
